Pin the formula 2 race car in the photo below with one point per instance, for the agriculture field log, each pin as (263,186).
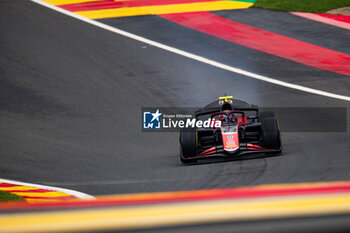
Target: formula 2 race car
(243,130)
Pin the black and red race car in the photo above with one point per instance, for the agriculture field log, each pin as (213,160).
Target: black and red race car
(243,130)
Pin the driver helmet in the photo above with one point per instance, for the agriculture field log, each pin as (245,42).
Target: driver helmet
(226,107)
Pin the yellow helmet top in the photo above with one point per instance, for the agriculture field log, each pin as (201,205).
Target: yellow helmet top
(226,98)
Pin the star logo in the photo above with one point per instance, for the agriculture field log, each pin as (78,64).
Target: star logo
(151,120)
(156,115)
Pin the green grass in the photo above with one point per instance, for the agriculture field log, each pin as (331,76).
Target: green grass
(5,196)
(315,6)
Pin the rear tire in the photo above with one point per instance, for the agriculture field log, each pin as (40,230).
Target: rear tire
(188,145)
(270,131)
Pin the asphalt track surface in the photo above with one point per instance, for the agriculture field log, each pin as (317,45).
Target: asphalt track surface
(71,96)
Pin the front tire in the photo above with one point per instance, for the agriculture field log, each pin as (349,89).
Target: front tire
(270,131)
(188,145)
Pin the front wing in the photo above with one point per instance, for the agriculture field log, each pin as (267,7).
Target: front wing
(244,149)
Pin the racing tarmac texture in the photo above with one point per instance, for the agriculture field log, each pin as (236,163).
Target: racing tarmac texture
(71,96)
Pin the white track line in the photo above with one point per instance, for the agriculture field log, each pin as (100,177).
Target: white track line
(193,56)
(63,190)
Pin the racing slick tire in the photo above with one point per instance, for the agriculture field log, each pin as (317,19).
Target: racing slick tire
(270,131)
(266,114)
(188,145)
